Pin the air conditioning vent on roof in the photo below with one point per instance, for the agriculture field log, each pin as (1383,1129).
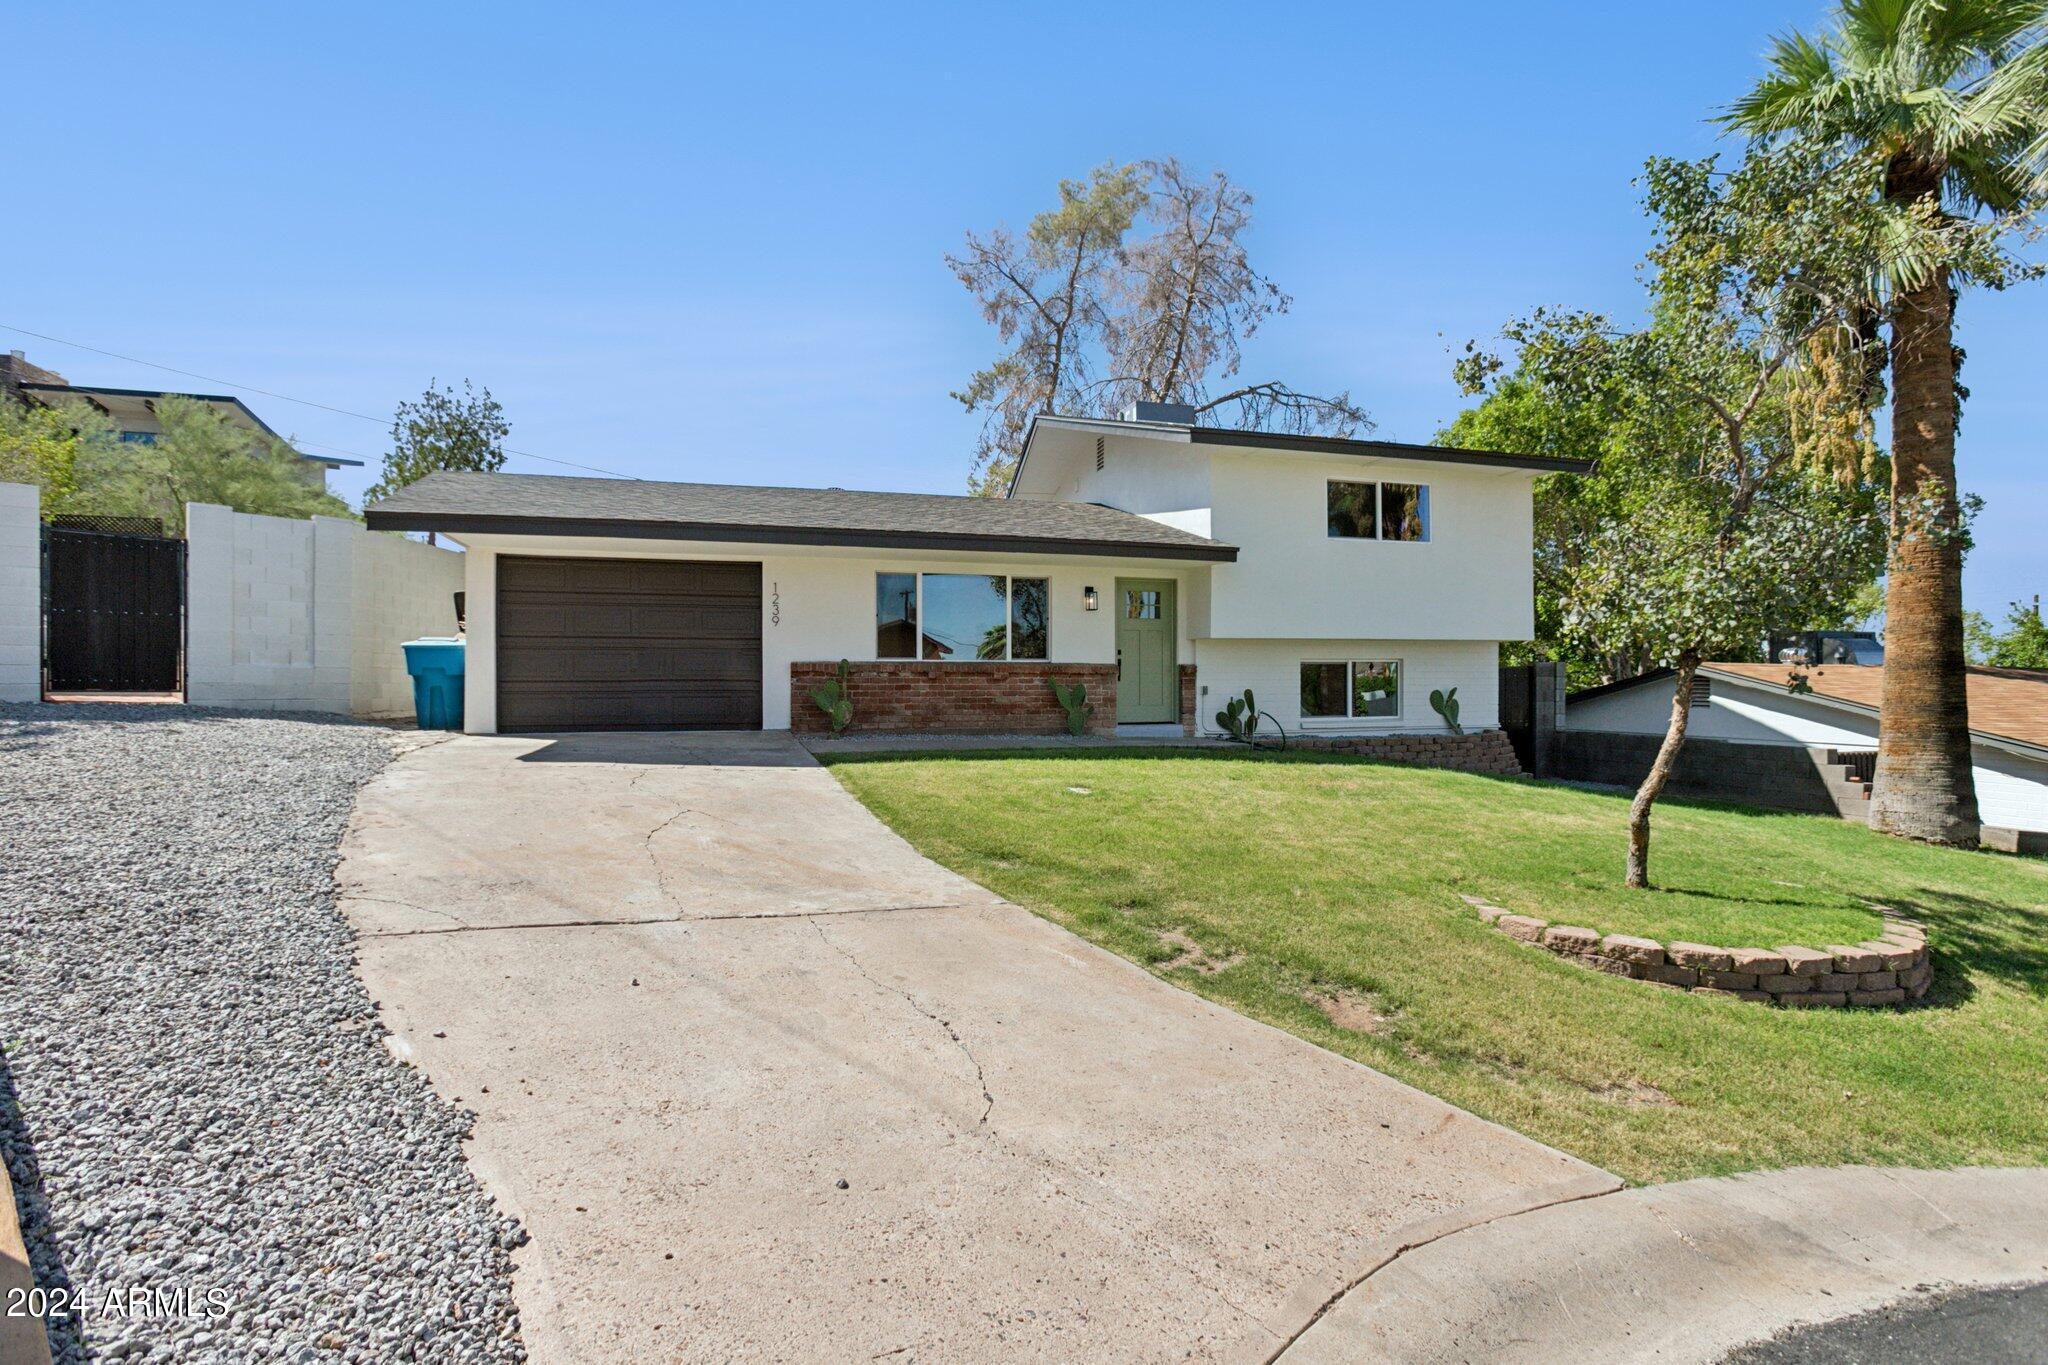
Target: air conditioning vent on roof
(1181,414)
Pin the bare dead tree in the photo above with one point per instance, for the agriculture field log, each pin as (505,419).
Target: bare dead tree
(1161,318)
(1047,295)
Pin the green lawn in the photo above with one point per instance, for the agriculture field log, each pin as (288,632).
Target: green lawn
(1306,890)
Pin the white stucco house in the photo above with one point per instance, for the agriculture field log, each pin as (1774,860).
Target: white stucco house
(1161,564)
(1752,705)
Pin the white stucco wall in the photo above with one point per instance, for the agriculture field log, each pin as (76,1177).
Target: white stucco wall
(1272,669)
(2012,789)
(819,604)
(21,593)
(1165,481)
(288,615)
(1472,580)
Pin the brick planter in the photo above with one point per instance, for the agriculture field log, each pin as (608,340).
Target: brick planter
(954,698)
(1487,751)
(1890,970)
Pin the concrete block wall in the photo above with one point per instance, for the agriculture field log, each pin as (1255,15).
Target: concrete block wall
(403,590)
(21,593)
(286,615)
(1779,776)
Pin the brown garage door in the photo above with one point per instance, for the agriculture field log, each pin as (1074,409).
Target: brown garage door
(628,644)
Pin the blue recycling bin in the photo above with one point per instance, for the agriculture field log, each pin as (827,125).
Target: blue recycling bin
(435,664)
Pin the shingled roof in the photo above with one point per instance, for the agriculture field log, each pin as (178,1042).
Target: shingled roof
(558,505)
(2005,703)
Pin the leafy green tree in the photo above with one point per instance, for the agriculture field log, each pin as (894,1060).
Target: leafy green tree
(1742,489)
(42,446)
(1521,415)
(443,430)
(1093,317)
(1948,101)
(198,456)
(2022,644)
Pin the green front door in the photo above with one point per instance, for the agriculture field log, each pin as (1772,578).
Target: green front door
(1148,673)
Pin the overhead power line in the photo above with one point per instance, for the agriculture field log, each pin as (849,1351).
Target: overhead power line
(286,398)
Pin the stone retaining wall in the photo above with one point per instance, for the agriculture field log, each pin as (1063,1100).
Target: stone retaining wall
(1488,751)
(1889,970)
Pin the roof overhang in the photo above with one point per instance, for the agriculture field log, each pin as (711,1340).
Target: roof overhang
(1281,442)
(458,523)
(1820,699)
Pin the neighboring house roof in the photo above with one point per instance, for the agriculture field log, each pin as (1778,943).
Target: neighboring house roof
(115,402)
(1195,434)
(2007,705)
(559,505)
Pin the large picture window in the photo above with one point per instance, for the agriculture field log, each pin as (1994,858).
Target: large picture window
(1378,511)
(961,616)
(1358,690)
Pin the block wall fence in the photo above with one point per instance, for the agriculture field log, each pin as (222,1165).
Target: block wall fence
(21,593)
(286,615)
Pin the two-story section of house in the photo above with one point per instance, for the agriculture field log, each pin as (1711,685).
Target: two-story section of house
(1368,574)
(1159,565)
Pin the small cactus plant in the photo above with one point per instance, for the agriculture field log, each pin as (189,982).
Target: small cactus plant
(1074,701)
(1445,704)
(1239,720)
(835,698)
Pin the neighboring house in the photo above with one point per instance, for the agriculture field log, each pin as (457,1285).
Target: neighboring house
(132,412)
(1164,565)
(1750,737)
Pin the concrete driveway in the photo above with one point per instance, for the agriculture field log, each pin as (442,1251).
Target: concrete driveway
(763,1083)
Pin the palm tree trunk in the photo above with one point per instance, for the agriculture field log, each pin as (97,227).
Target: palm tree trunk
(1923,787)
(1660,771)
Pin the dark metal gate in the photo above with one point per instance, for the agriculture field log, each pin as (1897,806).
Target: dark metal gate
(114,612)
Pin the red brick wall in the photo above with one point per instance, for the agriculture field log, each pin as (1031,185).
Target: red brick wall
(957,698)
(1189,721)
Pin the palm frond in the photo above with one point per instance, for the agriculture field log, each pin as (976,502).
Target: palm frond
(1991,178)
(1992,30)
(1800,88)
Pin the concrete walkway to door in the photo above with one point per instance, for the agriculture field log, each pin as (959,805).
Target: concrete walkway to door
(764,1083)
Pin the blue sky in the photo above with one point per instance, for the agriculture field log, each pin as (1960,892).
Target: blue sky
(704,242)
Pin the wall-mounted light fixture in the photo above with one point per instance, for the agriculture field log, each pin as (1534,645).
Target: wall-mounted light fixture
(1089,599)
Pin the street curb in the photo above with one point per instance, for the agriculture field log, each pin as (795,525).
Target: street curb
(1691,1270)
(23,1340)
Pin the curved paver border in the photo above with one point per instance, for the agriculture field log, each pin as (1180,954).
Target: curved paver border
(1892,969)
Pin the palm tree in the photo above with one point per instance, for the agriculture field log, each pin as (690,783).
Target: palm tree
(1950,97)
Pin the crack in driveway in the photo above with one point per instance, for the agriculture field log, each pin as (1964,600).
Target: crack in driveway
(793,915)
(980,1076)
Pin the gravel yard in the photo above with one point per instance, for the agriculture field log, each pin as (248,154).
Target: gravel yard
(195,1105)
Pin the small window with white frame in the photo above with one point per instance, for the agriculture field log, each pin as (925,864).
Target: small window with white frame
(1358,689)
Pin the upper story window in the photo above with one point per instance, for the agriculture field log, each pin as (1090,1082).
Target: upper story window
(961,616)
(1379,511)
(138,438)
